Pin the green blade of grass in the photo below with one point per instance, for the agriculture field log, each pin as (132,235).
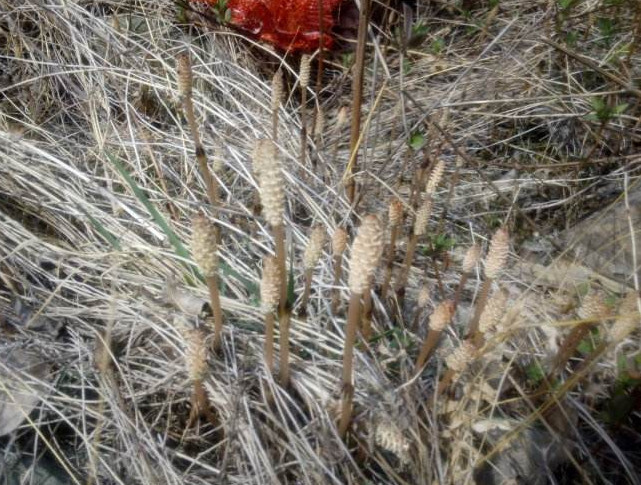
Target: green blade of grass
(174,240)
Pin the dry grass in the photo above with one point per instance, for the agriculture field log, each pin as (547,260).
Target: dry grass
(99,183)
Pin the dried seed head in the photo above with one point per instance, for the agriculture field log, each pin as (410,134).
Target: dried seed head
(441,316)
(435,178)
(461,357)
(342,116)
(314,249)
(203,245)
(628,319)
(305,69)
(319,124)
(497,254)
(183,66)
(593,306)
(423,296)
(366,251)
(339,241)
(270,180)
(389,437)
(195,354)
(423,217)
(277,89)
(395,212)
(269,285)
(471,258)
(493,311)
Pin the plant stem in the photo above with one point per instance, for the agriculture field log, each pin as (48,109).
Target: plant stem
(284,320)
(391,252)
(429,344)
(366,321)
(303,123)
(459,289)
(338,270)
(407,262)
(269,341)
(353,319)
(357,93)
(473,329)
(200,406)
(309,273)
(279,242)
(214,297)
(445,381)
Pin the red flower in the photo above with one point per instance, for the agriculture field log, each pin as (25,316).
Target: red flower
(293,25)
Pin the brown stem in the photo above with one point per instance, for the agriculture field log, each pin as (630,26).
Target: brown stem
(303,129)
(284,320)
(366,321)
(214,297)
(338,270)
(569,346)
(269,341)
(357,91)
(200,406)
(353,319)
(429,344)
(445,381)
(416,319)
(419,179)
(448,200)
(279,241)
(473,328)
(210,181)
(309,273)
(391,252)
(459,289)
(407,262)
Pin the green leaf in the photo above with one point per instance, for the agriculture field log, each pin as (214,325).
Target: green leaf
(158,218)
(437,45)
(102,230)
(585,346)
(174,240)
(620,108)
(571,38)
(535,372)
(417,140)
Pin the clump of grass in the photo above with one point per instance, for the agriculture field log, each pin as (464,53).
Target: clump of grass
(89,235)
